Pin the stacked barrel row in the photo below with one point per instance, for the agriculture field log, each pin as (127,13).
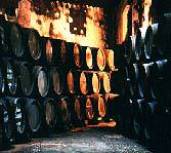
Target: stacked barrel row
(52,84)
(148,81)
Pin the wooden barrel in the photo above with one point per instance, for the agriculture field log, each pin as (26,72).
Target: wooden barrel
(57,81)
(89,109)
(50,112)
(80,82)
(83,83)
(110,58)
(101,59)
(106,78)
(101,107)
(41,79)
(51,51)
(71,82)
(33,113)
(96,85)
(78,59)
(26,78)
(95,107)
(89,58)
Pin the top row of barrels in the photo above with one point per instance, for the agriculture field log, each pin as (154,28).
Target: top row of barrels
(26,44)
(150,43)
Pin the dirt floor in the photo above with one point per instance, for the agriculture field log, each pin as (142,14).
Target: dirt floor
(87,140)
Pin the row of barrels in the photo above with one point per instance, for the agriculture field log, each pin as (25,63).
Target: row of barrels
(150,80)
(26,44)
(23,117)
(151,43)
(148,88)
(146,114)
(21,78)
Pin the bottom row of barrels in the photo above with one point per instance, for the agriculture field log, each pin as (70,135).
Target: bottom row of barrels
(23,117)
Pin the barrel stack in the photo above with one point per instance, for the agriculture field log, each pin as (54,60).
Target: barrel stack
(49,85)
(148,82)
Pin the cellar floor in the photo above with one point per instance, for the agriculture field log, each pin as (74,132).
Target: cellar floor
(85,140)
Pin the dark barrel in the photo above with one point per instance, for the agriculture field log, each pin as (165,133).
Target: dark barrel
(41,78)
(64,52)
(19,115)
(33,113)
(16,40)
(138,118)
(130,81)
(70,55)
(161,83)
(11,76)
(112,101)
(139,44)
(26,78)
(33,43)
(150,42)
(146,74)
(8,122)
(25,43)
(2,81)
(140,89)
(129,48)
(71,77)
(1,126)
(164,32)
(4,38)
(150,120)
(63,111)
(50,112)
(77,110)
(57,81)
